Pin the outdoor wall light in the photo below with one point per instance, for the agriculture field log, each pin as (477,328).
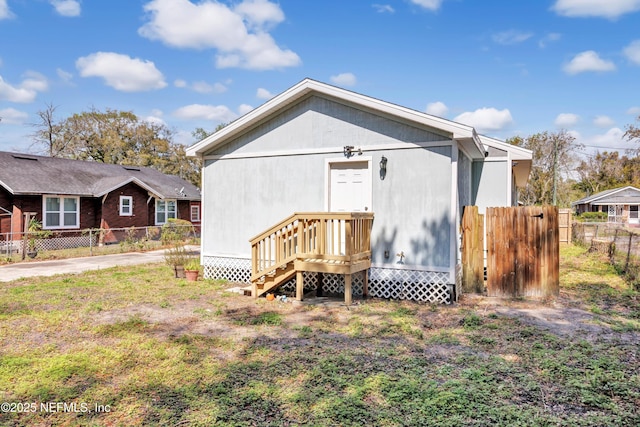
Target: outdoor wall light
(348,150)
(383,167)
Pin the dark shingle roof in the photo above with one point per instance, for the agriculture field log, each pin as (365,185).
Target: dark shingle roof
(30,174)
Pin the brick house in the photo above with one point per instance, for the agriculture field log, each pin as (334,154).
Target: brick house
(75,195)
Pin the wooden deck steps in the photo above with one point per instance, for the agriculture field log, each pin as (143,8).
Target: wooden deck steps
(324,242)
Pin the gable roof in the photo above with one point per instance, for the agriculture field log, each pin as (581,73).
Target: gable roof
(30,174)
(628,194)
(307,88)
(521,158)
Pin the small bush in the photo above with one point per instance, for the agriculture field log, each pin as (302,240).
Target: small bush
(176,230)
(593,216)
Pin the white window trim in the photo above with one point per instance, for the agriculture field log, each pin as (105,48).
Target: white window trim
(166,218)
(130,199)
(197,217)
(46,226)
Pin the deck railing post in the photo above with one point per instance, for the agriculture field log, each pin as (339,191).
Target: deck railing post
(348,250)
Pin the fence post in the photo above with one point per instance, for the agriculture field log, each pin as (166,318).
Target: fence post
(626,267)
(91,242)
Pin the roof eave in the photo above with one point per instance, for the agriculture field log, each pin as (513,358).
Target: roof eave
(308,86)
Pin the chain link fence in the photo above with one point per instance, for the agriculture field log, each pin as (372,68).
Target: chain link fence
(622,245)
(45,243)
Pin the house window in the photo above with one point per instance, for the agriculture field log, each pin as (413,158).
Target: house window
(61,212)
(165,209)
(195,213)
(126,205)
(633,212)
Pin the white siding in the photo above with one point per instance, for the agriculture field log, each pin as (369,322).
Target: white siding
(490,179)
(411,205)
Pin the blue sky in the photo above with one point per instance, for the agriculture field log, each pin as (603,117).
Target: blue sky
(506,67)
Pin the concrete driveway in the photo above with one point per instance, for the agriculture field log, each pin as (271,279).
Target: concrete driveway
(18,270)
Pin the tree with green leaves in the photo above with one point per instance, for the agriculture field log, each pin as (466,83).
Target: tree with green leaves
(115,137)
(554,155)
(600,172)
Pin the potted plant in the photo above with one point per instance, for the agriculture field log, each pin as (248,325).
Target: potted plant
(177,256)
(34,231)
(192,269)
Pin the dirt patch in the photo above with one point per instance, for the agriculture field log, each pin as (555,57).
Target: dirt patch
(237,317)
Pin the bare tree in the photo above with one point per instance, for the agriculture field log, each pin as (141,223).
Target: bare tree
(47,137)
(633,134)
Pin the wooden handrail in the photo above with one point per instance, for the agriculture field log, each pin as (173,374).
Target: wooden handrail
(334,235)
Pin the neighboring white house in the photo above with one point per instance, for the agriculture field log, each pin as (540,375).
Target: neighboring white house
(316,147)
(620,204)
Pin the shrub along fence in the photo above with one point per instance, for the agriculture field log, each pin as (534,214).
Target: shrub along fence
(622,245)
(94,241)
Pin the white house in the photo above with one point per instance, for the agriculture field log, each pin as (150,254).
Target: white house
(319,148)
(621,204)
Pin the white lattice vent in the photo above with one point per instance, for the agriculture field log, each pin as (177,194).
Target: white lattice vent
(390,283)
(310,280)
(231,269)
(423,286)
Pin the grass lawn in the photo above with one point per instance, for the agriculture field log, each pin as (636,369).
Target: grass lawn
(135,347)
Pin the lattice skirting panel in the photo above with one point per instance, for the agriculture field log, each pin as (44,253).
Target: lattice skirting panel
(415,285)
(231,269)
(332,284)
(390,283)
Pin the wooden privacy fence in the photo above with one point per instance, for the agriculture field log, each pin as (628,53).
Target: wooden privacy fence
(522,251)
(564,225)
(472,250)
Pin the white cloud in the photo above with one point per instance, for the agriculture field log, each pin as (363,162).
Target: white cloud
(610,9)
(565,120)
(588,61)
(64,75)
(632,52)
(262,93)
(216,113)
(634,111)
(240,35)
(603,121)
(244,109)
(486,119)
(613,139)
(11,116)
(260,13)
(428,4)
(121,71)
(344,79)
(26,91)
(35,82)
(66,7)
(437,109)
(200,86)
(204,87)
(549,38)
(511,37)
(5,13)
(155,119)
(383,8)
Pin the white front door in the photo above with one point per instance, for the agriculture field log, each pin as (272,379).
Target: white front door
(350,187)
(349,190)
